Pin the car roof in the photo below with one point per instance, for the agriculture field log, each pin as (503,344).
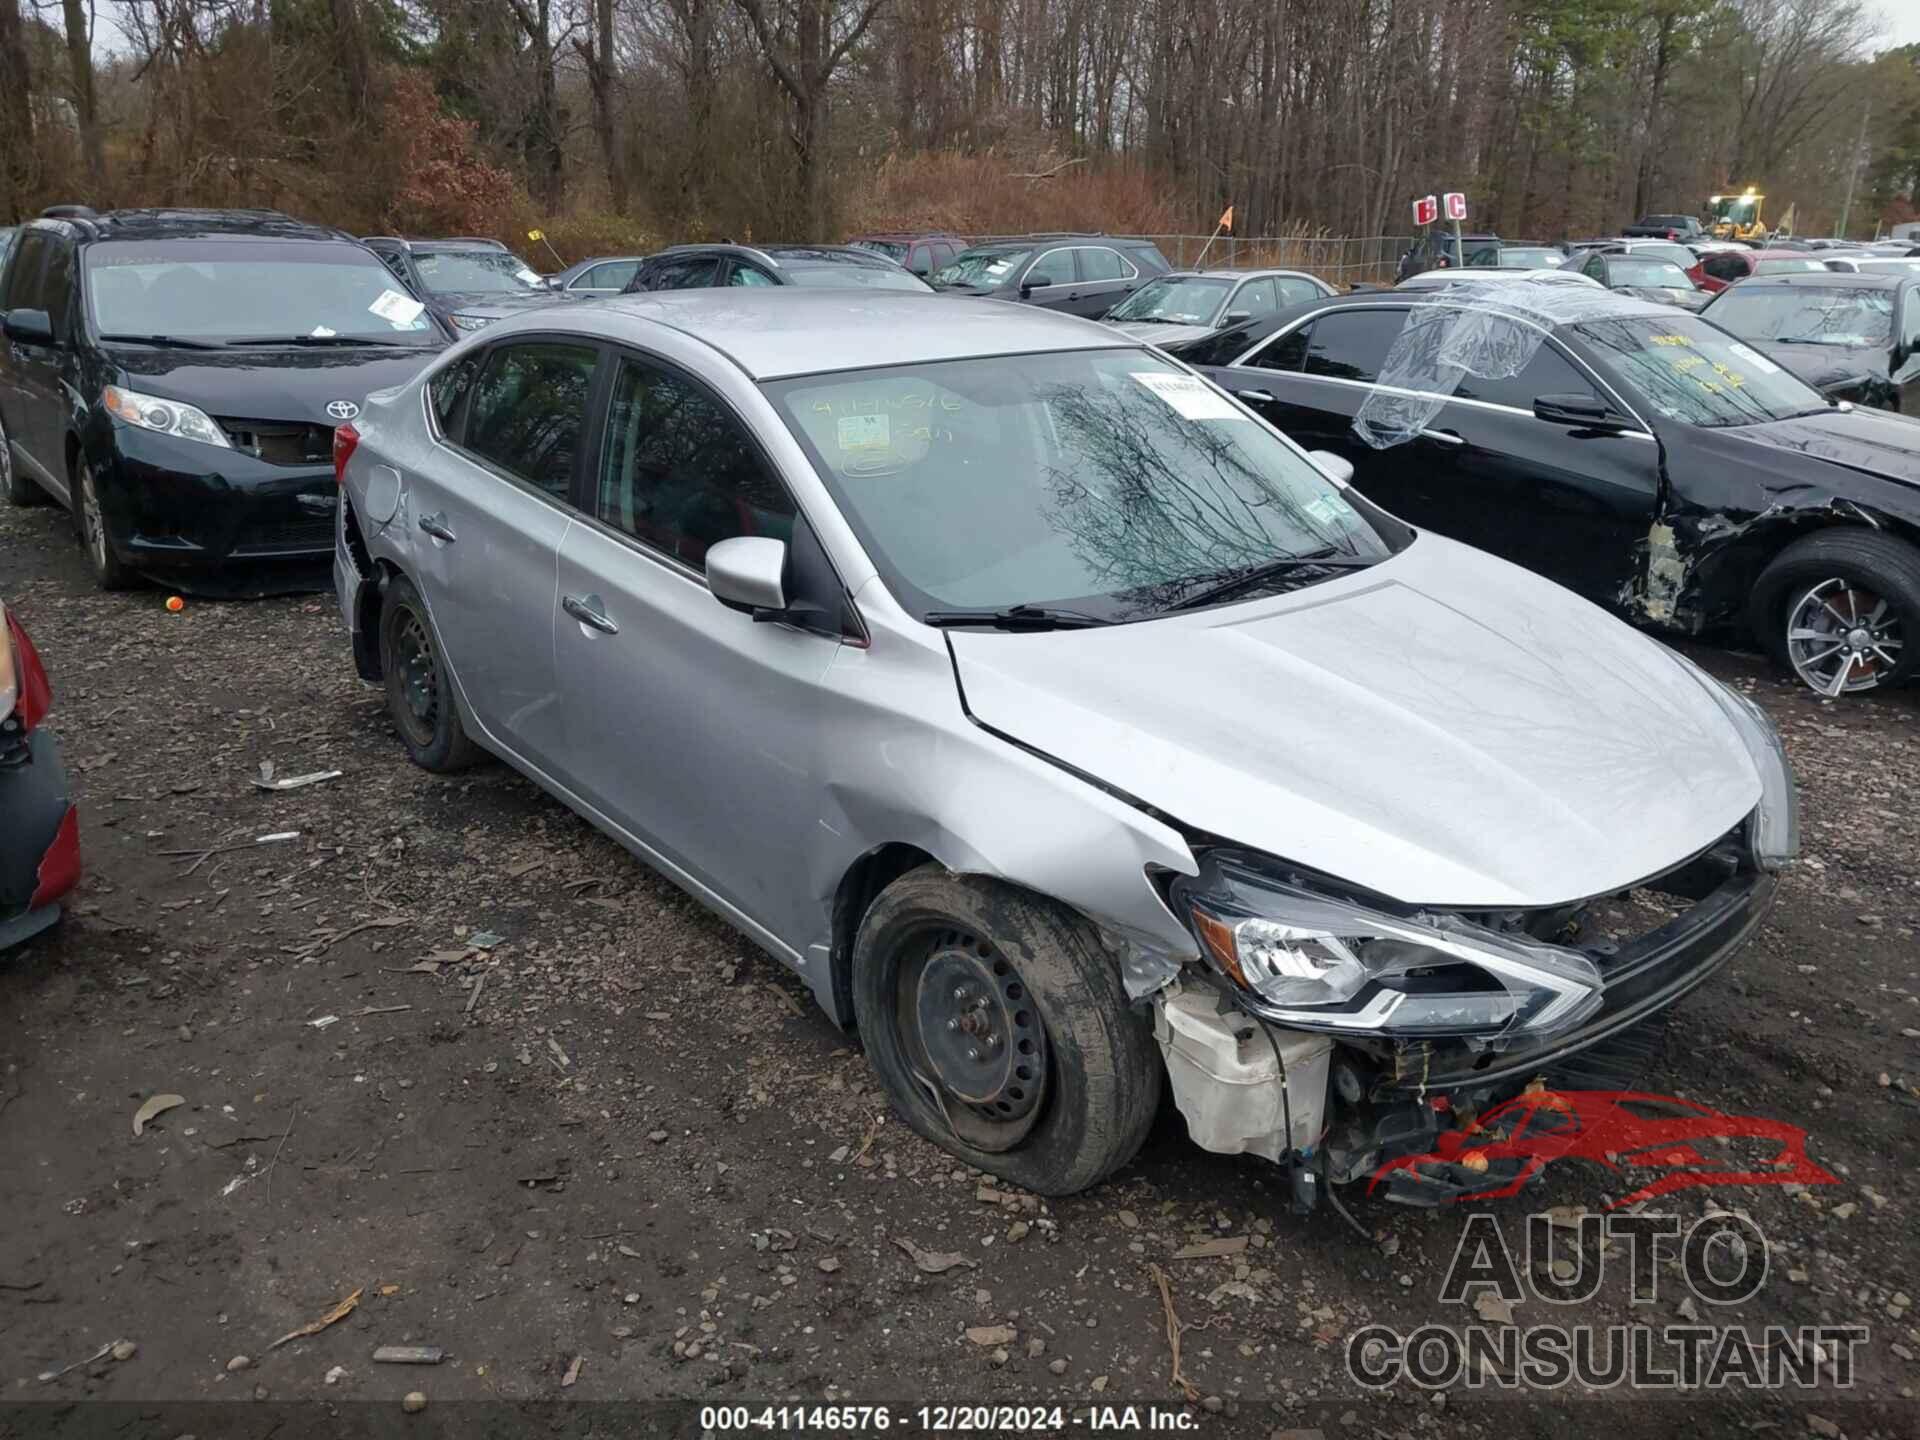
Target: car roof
(1831,279)
(802,331)
(1228,272)
(160,223)
(1597,303)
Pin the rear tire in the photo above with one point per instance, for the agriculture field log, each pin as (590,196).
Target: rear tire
(419,690)
(95,534)
(939,952)
(1841,609)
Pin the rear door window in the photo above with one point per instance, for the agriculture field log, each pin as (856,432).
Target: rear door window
(694,272)
(1286,352)
(1293,289)
(749,275)
(1352,344)
(528,412)
(1726,267)
(1099,263)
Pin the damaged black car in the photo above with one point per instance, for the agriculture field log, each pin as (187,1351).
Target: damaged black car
(1639,455)
(1850,336)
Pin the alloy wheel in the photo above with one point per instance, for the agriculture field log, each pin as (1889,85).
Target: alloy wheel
(419,677)
(93,523)
(974,1036)
(1843,638)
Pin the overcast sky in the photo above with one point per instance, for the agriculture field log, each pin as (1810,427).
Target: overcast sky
(1900,21)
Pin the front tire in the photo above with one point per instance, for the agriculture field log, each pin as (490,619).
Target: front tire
(419,690)
(1841,609)
(999,1027)
(96,537)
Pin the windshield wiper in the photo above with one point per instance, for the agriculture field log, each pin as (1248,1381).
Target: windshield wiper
(244,340)
(1327,559)
(174,342)
(1017,617)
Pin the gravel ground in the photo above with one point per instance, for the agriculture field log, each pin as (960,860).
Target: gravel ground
(456,1054)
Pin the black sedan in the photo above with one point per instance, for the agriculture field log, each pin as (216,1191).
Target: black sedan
(1646,276)
(1633,452)
(1850,336)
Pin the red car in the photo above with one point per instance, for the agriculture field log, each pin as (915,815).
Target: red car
(40,839)
(1515,1140)
(1720,268)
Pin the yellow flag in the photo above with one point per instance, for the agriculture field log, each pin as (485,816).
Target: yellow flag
(541,234)
(1226,219)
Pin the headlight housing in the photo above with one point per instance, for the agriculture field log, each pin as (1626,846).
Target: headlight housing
(1317,962)
(469,323)
(1775,832)
(164,417)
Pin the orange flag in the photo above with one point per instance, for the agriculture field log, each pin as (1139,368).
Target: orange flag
(1226,219)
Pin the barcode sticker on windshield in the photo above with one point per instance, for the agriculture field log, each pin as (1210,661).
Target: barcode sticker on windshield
(866,432)
(1754,358)
(396,309)
(1190,396)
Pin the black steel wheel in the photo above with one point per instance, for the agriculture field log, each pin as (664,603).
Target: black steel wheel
(999,1026)
(419,692)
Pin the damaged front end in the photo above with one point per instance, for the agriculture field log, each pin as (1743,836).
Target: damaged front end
(1341,1037)
(1336,1033)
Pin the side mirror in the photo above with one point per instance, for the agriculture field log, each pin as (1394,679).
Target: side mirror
(29,327)
(748,573)
(1237,317)
(1583,411)
(1334,467)
(1035,282)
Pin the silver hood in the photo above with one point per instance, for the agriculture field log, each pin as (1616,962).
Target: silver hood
(1153,332)
(1443,728)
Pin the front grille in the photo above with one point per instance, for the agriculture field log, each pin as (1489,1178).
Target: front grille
(277,534)
(281,442)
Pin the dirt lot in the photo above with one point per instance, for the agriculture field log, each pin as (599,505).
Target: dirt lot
(637,1165)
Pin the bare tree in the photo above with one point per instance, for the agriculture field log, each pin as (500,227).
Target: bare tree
(16,114)
(803,43)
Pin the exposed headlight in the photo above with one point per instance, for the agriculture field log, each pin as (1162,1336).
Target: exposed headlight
(1776,823)
(471,323)
(167,417)
(1319,963)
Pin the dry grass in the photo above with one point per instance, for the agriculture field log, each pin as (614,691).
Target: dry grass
(985,194)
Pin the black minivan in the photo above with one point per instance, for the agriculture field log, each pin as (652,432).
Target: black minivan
(174,378)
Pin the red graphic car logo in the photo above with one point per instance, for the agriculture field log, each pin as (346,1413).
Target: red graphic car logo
(1694,1145)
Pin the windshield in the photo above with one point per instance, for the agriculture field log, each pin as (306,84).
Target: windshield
(1806,314)
(213,290)
(1532,257)
(892,249)
(1107,480)
(982,267)
(1178,299)
(1659,274)
(467,272)
(853,277)
(1691,372)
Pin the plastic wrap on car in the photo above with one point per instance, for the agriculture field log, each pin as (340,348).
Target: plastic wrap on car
(1486,328)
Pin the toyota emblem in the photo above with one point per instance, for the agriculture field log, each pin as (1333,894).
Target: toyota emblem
(343,409)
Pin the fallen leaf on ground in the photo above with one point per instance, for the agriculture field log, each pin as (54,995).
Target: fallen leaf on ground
(992,1334)
(573,1372)
(156,1106)
(934,1262)
(338,1312)
(1491,1308)
(1209,1249)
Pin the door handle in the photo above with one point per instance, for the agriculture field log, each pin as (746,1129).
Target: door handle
(1258,396)
(1445,437)
(588,610)
(436,526)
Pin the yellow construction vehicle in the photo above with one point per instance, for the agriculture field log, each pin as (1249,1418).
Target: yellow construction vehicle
(1737,216)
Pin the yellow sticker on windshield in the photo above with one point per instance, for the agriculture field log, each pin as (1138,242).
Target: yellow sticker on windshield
(865,432)
(1669,340)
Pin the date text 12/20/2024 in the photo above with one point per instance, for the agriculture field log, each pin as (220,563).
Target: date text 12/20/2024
(719,1420)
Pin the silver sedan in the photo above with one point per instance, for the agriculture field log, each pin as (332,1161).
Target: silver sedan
(1062,725)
